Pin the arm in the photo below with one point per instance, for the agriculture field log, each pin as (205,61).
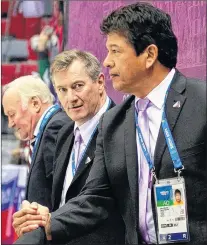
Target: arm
(90,208)
(50,137)
(85,212)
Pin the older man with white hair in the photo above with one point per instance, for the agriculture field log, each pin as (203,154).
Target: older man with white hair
(28,104)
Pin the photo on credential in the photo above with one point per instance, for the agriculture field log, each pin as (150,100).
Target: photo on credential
(178,196)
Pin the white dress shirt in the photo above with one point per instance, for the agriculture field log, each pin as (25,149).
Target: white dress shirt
(86,130)
(154,113)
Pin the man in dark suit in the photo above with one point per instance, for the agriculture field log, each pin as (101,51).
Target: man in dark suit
(80,87)
(28,104)
(142,55)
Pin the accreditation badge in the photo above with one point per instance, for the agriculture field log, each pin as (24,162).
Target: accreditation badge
(171,209)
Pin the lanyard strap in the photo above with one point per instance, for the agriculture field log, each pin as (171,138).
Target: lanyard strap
(75,166)
(45,120)
(168,137)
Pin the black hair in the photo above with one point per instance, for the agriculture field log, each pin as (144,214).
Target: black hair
(143,24)
(177,192)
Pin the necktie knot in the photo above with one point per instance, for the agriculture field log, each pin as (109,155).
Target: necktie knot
(142,104)
(32,141)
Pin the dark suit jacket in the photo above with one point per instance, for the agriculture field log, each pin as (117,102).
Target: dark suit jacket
(111,231)
(113,179)
(39,183)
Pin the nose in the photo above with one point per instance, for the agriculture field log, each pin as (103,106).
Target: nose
(108,62)
(71,95)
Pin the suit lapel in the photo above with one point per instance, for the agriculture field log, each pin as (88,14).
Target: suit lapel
(88,157)
(36,152)
(172,114)
(60,169)
(131,154)
(33,162)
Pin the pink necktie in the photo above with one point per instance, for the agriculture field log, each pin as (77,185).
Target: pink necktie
(144,167)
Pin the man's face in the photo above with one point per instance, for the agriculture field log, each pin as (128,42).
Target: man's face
(23,121)
(177,197)
(78,94)
(126,69)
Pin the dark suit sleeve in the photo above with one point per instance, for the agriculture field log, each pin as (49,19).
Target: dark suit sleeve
(35,237)
(87,211)
(50,137)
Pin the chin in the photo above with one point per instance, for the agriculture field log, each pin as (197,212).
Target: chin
(121,88)
(117,87)
(24,137)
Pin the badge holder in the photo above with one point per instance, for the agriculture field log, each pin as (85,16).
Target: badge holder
(171,210)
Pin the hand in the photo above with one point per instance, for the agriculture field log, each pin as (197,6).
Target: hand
(28,218)
(43,39)
(44,211)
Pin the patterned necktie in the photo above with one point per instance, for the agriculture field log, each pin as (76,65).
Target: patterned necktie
(31,148)
(77,144)
(144,167)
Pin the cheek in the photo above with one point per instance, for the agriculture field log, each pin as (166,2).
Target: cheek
(63,100)
(89,102)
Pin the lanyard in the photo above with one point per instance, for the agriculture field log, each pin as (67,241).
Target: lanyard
(75,166)
(45,120)
(169,139)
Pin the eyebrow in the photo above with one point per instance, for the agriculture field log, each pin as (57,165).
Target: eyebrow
(113,45)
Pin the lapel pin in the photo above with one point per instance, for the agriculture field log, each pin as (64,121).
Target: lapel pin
(177,104)
(87,160)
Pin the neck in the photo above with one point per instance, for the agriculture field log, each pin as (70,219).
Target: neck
(151,81)
(43,108)
(102,101)
(36,118)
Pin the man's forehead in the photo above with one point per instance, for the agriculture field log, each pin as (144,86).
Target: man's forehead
(115,39)
(11,96)
(77,67)
(75,72)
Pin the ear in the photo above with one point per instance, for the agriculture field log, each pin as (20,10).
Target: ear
(35,104)
(152,55)
(101,82)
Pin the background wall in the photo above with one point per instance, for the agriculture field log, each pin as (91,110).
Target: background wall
(189,24)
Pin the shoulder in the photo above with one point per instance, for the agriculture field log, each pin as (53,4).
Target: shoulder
(196,92)
(56,122)
(198,87)
(193,85)
(66,130)
(117,114)
(60,118)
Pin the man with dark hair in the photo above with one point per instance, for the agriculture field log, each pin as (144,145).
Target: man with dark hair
(136,138)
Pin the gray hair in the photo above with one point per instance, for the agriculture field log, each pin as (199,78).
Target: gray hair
(63,60)
(30,86)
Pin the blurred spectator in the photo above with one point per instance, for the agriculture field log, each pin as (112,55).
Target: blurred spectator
(49,43)
(30,9)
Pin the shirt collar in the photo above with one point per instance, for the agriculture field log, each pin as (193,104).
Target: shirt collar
(87,129)
(157,95)
(37,128)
